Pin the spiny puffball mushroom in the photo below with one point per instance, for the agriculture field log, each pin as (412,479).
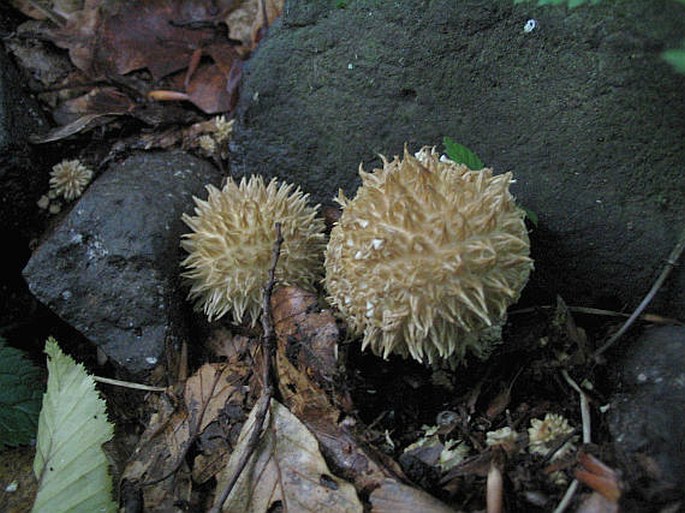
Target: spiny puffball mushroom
(427,257)
(69,179)
(232,240)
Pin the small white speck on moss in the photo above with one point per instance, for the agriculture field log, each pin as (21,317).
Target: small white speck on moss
(530,25)
(151,360)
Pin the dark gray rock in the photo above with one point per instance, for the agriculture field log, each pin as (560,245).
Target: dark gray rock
(582,109)
(111,267)
(647,416)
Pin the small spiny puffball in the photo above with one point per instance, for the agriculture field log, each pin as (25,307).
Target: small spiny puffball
(427,257)
(231,245)
(504,438)
(224,129)
(69,179)
(544,435)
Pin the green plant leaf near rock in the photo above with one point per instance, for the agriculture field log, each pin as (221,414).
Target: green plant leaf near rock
(676,57)
(70,465)
(20,392)
(462,155)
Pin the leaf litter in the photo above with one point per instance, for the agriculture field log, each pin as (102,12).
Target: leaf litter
(131,55)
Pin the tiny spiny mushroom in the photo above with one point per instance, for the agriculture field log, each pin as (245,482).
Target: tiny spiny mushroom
(231,242)
(427,257)
(69,179)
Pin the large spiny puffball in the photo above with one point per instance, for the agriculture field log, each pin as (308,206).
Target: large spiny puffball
(231,244)
(427,257)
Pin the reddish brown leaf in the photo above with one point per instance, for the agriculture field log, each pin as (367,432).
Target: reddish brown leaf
(209,90)
(113,37)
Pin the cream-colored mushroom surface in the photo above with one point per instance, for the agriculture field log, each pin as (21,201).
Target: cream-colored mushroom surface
(232,239)
(427,257)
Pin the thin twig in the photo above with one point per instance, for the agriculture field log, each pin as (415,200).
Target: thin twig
(267,382)
(587,438)
(128,384)
(584,407)
(668,267)
(566,500)
(648,317)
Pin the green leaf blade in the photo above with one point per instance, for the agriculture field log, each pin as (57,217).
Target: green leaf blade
(462,155)
(20,397)
(70,465)
(676,58)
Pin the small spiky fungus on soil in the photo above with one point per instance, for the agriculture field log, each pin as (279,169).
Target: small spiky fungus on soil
(232,238)
(427,257)
(69,179)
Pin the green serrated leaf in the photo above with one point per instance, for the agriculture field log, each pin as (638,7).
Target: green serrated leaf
(70,465)
(462,155)
(20,392)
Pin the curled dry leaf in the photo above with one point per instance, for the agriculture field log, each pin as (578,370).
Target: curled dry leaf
(159,455)
(306,363)
(286,468)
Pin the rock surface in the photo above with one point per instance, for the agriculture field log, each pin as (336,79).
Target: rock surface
(647,416)
(582,109)
(111,267)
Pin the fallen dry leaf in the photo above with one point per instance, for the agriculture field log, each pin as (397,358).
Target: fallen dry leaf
(211,389)
(308,334)
(285,469)
(158,465)
(394,497)
(111,37)
(158,460)
(349,458)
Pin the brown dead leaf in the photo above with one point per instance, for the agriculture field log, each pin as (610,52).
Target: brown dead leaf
(158,460)
(285,469)
(210,389)
(267,12)
(158,465)
(346,454)
(394,497)
(308,334)
(214,91)
(115,37)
